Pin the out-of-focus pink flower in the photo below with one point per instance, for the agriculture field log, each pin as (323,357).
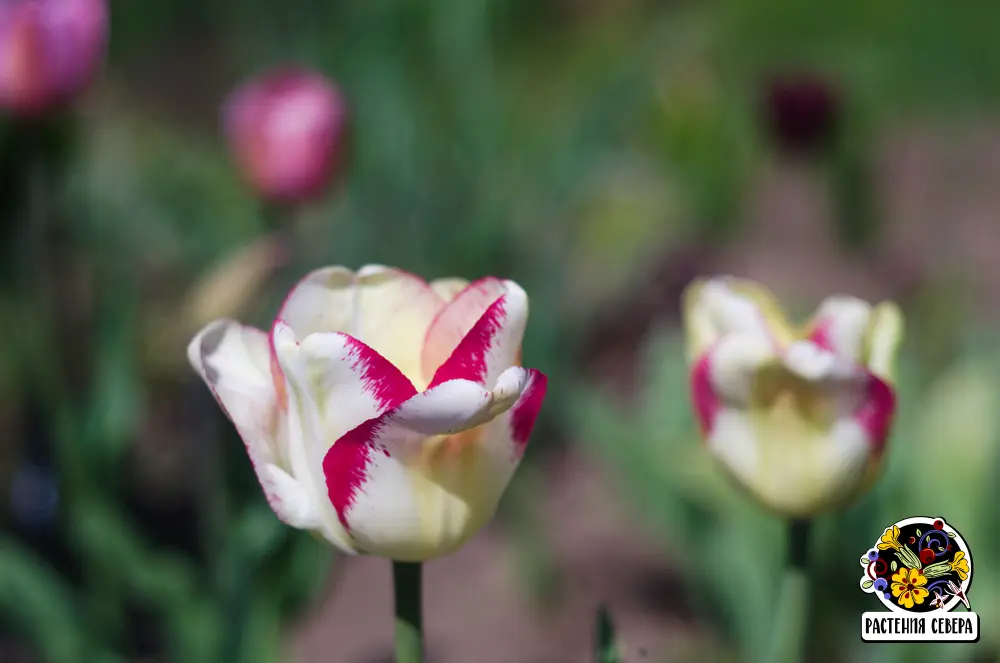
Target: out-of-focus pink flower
(286,132)
(50,51)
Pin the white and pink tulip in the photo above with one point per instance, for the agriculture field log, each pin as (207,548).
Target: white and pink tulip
(799,417)
(384,412)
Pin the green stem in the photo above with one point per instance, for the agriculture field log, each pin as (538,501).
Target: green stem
(789,637)
(607,648)
(406,581)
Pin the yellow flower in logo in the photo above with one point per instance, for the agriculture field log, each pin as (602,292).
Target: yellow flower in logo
(908,587)
(960,565)
(890,539)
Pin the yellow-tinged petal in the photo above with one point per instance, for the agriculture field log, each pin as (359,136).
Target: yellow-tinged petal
(841,324)
(388,309)
(781,427)
(919,594)
(425,477)
(716,307)
(774,315)
(883,339)
(917,578)
(448,288)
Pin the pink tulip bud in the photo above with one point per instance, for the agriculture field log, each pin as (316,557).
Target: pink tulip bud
(50,51)
(286,132)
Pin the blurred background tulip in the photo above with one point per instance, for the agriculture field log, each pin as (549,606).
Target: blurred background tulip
(799,416)
(801,111)
(50,51)
(287,133)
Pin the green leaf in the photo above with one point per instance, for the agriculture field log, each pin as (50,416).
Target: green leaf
(867,584)
(39,602)
(893,566)
(607,649)
(918,532)
(951,534)
(865,561)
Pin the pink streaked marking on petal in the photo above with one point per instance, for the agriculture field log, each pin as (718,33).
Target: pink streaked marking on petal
(381,378)
(703,397)
(455,319)
(820,335)
(477,291)
(526,409)
(876,412)
(345,466)
(469,360)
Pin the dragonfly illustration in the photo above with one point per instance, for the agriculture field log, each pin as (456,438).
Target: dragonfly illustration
(957,591)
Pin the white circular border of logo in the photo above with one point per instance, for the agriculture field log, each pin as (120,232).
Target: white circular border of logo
(954,601)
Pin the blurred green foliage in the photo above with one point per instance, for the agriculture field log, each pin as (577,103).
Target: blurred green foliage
(564,144)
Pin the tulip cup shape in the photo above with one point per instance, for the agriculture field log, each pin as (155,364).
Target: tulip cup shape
(799,417)
(286,133)
(50,51)
(385,413)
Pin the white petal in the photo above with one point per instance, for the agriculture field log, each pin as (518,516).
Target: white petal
(722,306)
(233,360)
(323,301)
(449,288)
(335,382)
(733,366)
(492,343)
(884,337)
(840,325)
(456,319)
(409,489)
(814,363)
(795,474)
(388,309)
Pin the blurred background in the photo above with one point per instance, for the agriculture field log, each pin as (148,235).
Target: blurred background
(600,152)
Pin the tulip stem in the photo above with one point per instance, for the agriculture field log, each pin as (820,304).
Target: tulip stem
(791,623)
(406,581)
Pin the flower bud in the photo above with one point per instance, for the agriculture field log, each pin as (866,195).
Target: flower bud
(50,51)
(801,112)
(285,131)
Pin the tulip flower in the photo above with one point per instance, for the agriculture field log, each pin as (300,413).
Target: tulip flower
(801,111)
(799,417)
(50,51)
(286,133)
(382,412)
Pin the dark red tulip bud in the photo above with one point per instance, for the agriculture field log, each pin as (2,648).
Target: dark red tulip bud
(801,112)
(286,131)
(50,51)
